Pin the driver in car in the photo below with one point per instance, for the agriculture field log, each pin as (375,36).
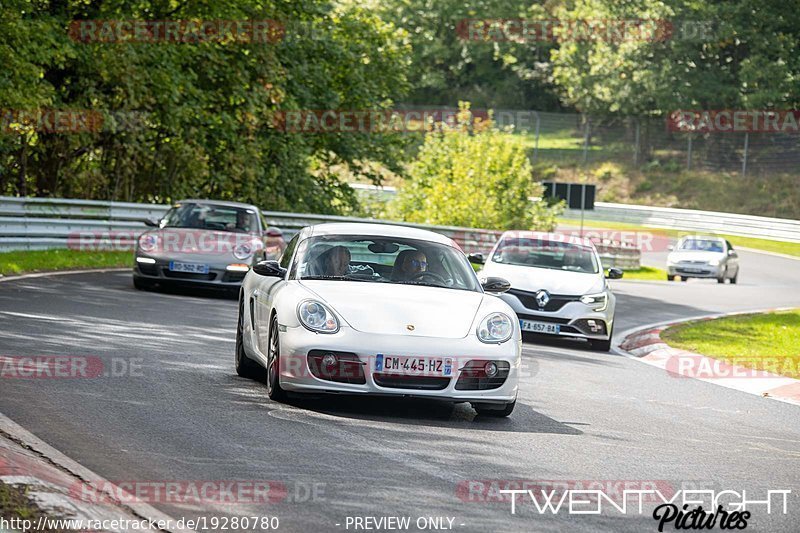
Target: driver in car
(336,261)
(408,264)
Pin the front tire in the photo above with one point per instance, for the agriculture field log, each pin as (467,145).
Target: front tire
(142,285)
(670,278)
(274,390)
(600,345)
(245,367)
(485,410)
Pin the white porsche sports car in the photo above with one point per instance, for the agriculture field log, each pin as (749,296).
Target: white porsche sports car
(378,310)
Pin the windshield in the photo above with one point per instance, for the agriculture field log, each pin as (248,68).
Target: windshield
(383,260)
(701,245)
(211,217)
(542,253)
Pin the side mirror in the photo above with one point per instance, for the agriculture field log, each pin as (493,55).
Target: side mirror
(477,258)
(495,285)
(670,247)
(732,253)
(273,232)
(269,268)
(615,273)
(151,223)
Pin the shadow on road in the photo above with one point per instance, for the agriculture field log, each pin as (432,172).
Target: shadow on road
(423,412)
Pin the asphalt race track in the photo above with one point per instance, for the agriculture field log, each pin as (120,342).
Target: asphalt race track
(582,415)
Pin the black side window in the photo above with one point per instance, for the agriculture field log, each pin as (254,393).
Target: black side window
(730,246)
(287,253)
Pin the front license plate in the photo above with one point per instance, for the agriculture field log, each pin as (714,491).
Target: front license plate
(194,268)
(413,366)
(539,327)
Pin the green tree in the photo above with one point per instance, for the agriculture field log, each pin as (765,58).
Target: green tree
(473,175)
(204,112)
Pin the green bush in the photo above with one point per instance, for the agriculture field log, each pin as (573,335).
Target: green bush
(472,174)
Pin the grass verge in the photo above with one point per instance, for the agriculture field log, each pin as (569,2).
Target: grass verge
(788,248)
(768,341)
(21,262)
(646,273)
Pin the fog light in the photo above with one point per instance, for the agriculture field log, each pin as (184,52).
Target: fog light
(490,369)
(328,360)
(237,267)
(146,260)
(594,326)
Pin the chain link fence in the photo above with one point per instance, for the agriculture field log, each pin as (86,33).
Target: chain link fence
(572,138)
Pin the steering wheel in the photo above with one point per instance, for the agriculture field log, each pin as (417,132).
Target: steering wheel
(425,274)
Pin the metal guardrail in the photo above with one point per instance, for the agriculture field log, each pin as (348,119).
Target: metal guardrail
(779,229)
(44,223)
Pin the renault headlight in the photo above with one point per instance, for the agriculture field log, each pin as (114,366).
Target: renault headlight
(495,328)
(598,302)
(713,262)
(317,317)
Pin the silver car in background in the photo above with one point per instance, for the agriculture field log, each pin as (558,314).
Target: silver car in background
(204,243)
(558,286)
(698,256)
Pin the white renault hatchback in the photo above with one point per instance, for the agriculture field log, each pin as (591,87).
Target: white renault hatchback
(558,286)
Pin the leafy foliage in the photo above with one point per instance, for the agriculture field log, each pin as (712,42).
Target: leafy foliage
(196,119)
(475,176)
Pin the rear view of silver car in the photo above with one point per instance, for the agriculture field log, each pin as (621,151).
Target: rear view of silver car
(558,286)
(204,243)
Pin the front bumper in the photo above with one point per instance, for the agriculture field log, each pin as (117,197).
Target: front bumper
(296,376)
(159,272)
(696,270)
(572,318)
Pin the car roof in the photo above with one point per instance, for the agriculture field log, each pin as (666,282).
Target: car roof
(378,230)
(219,202)
(702,238)
(547,236)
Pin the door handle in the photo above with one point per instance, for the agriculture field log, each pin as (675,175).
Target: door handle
(256,293)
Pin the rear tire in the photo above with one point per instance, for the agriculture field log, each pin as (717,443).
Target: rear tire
(735,278)
(684,278)
(274,390)
(484,410)
(245,367)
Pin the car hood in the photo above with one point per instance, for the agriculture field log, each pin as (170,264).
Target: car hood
(389,308)
(196,245)
(677,256)
(553,281)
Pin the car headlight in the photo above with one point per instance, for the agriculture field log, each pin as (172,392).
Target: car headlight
(243,250)
(317,317)
(598,302)
(495,328)
(148,242)
(713,262)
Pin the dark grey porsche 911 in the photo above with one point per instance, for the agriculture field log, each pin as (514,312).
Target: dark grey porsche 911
(205,243)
